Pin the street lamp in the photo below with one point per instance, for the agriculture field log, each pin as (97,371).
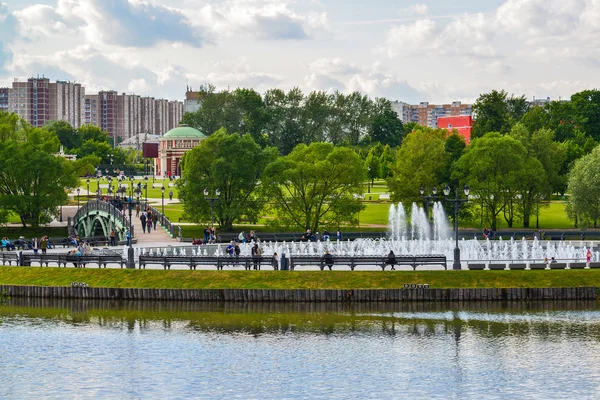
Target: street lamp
(146,188)
(429,199)
(98,191)
(212,204)
(162,192)
(131,180)
(78,190)
(130,259)
(457,203)
(88,187)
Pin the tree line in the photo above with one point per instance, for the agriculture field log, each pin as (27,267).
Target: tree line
(285,120)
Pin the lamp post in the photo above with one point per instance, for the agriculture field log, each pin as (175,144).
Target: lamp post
(428,199)
(109,178)
(162,192)
(78,190)
(146,189)
(131,180)
(130,259)
(98,189)
(369,180)
(457,203)
(212,204)
(88,187)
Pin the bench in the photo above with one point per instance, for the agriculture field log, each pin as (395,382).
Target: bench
(194,261)
(381,261)
(537,266)
(517,267)
(10,258)
(557,265)
(476,267)
(497,267)
(64,259)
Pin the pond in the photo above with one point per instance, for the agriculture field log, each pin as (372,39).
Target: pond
(113,349)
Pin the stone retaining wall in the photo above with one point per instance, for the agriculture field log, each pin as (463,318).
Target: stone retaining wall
(303,295)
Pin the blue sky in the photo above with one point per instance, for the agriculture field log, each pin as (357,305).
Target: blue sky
(436,51)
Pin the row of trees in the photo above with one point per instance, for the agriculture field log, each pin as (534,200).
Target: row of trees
(90,140)
(313,185)
(33,181)
(284,120)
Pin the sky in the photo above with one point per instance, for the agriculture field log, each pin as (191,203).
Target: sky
(436,51)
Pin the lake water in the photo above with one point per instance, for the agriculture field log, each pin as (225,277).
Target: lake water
(94,349)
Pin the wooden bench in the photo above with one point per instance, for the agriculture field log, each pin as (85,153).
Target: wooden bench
(497,267)
(476,267)
(381,261)
(537,266)
(78,261)
(10,258)
(194,261)
(577,265)
(517,267)
(557,265)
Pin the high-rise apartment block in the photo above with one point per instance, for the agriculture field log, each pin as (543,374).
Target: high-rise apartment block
(192,100)
(426,114)
(38,101)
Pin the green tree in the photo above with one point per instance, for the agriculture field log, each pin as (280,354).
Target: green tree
(491,114)
(92,132)
(386,160)
(491,166)
(386,127)
(584,187)
(372,162)
(420,161)
(517,107)
(33,181)
(454,146)
(68,136)
(315,185)
(233,164)
(11,126)
(104,152)
(587,107)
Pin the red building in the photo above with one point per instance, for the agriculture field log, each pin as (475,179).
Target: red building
(460,123)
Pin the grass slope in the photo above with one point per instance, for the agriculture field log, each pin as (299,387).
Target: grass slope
(118,278)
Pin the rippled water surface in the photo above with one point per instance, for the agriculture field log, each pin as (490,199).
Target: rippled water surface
(81,349)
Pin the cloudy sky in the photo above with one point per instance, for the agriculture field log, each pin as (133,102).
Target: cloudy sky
(436,51)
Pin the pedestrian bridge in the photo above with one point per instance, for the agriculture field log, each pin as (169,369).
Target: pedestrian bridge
(97,218)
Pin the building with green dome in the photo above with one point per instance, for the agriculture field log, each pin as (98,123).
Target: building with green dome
(173,146)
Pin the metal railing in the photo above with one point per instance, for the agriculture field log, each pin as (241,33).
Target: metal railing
(173,230)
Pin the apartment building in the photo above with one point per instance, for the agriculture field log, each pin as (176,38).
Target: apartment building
(426,114)
(38,101)
(4,99)
(101,111)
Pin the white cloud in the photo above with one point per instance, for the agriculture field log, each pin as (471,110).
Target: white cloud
(414,10)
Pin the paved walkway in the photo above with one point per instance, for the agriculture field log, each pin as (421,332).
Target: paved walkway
(156,237)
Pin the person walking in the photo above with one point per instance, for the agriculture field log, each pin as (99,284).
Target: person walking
(275,262)
(588,256)
(113,238)
(143,220)
(339,235)
(171,194)
(154,220)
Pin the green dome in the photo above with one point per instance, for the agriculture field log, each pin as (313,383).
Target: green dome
(184,132)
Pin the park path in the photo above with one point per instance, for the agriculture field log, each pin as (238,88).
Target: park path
(153,238)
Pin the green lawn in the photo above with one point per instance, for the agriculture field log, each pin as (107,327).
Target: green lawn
(119,278)
(153,192)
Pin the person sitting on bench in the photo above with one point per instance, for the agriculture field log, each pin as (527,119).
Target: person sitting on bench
(391,260)
(328,259)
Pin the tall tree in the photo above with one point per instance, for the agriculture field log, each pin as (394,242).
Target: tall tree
(420,161)
(517,107)
(584,186)
(491,167)
(386,127)
(587,106)
(315,185)
(68,136)
(491,114)
(233,164)
(33,181)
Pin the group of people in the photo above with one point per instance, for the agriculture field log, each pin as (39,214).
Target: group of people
(488,233)
(34,244)
(210,236)
(308,236)
(148,220)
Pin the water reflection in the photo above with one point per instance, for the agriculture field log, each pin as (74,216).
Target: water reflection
(116,349)
(546,319)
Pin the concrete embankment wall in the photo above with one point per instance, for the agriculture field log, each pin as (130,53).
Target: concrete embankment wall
(303,295)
